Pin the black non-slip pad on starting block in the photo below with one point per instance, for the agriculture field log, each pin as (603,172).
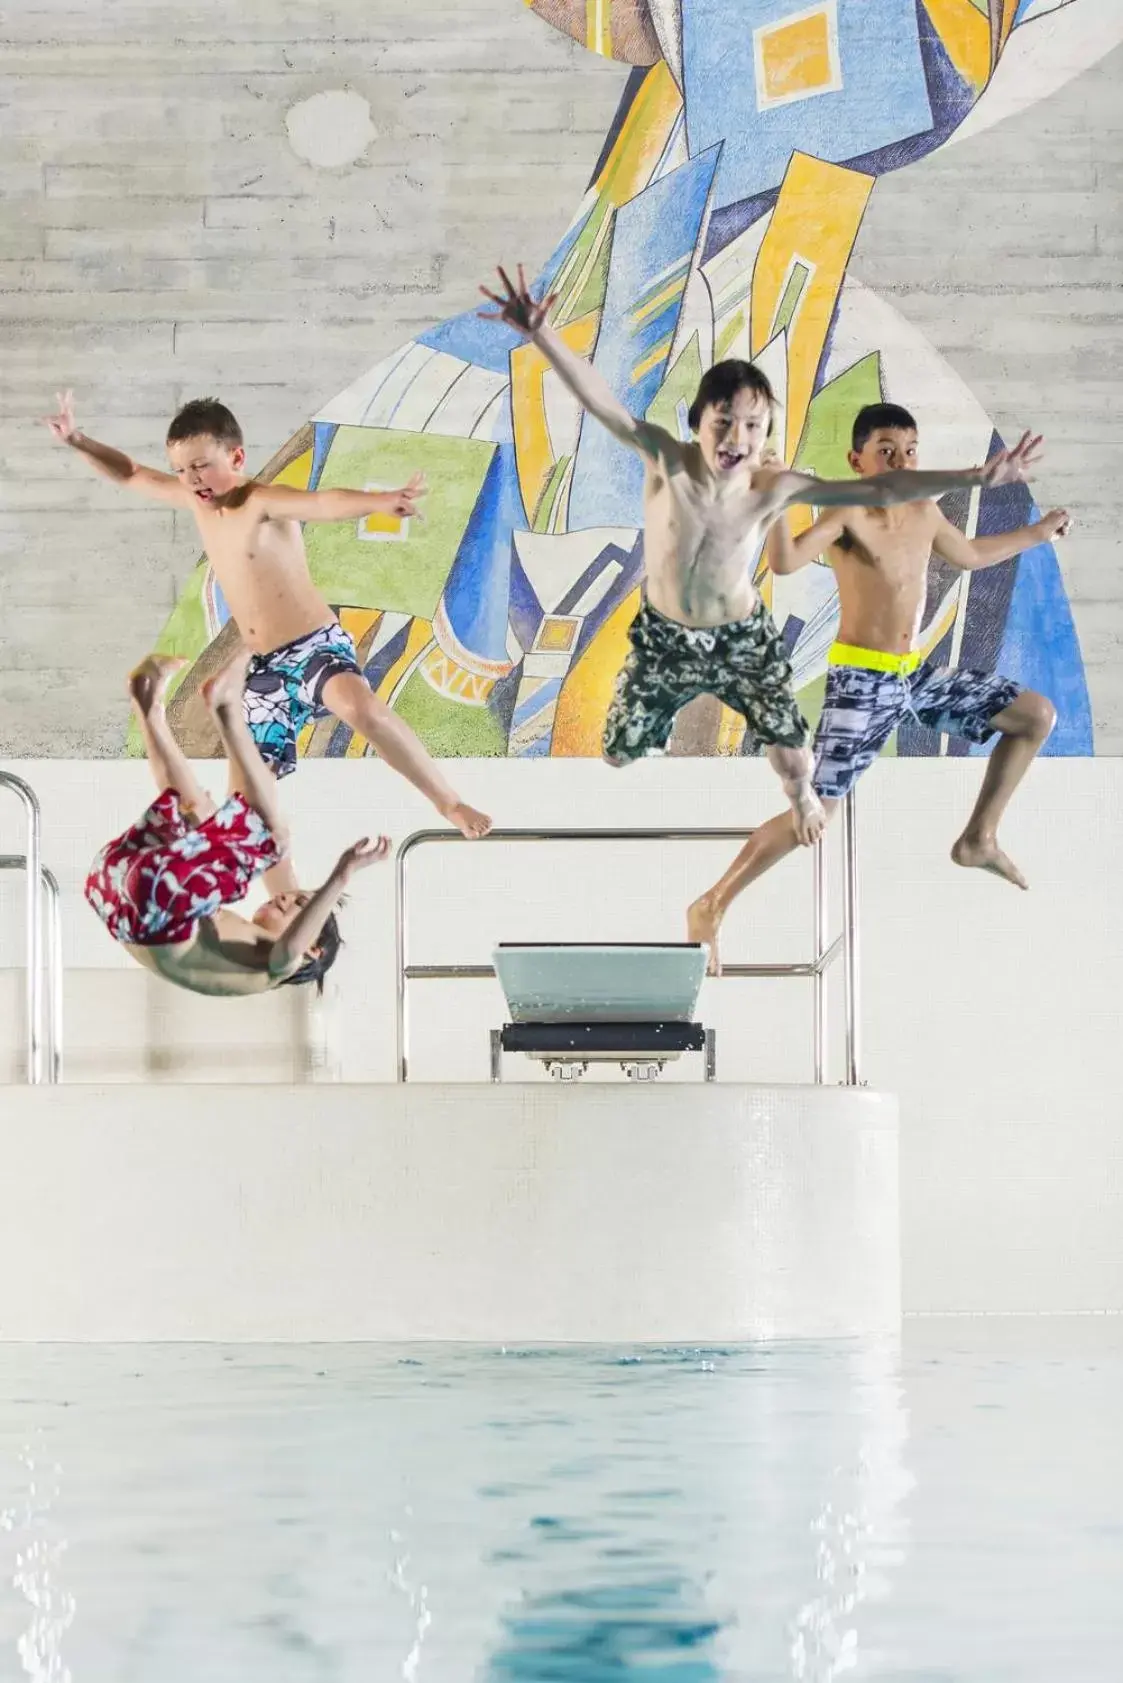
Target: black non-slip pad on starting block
(629,1039)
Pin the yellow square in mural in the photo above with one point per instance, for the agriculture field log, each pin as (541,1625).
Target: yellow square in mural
(556,635)
(797,56)
(385,527)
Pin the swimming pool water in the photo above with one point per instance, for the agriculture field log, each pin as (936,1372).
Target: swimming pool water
(946,1510)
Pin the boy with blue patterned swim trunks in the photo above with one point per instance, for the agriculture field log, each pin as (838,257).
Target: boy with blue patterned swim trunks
(876,676)
(302,660)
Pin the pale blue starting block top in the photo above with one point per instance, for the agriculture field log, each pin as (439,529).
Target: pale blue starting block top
(611,983)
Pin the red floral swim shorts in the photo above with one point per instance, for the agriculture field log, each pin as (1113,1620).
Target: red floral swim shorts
(152,884)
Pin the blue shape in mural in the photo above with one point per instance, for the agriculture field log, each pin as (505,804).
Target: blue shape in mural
(525,610)
(221,606)
(1040,649)
(950,99)
(476,601)
(487,343)
(384,658)
(875,90)
(323,432)
(727,221)
(653,245)
(542,697)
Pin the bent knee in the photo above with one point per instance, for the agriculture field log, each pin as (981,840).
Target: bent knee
(347,695)
(792,764)
(1030,715)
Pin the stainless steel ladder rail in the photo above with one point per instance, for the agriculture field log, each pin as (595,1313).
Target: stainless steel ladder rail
(42,963)
(815,970)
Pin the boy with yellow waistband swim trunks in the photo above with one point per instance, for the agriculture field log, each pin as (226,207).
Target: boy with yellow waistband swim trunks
(875,675)
(708,505)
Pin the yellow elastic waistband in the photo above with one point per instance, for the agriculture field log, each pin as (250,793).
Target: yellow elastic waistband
(874,660)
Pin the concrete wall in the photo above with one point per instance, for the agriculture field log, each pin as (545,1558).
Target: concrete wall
(160,236)
(532,1215)
(992,1014)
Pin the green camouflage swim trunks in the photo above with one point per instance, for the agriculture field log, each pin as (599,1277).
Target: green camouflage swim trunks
(745,665)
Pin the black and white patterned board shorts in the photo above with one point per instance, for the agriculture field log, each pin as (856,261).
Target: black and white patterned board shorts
(862,709)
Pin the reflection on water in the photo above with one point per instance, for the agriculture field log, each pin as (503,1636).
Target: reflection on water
(36,1575)
(449,1515)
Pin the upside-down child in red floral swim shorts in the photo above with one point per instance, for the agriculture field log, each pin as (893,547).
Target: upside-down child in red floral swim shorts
(164,887)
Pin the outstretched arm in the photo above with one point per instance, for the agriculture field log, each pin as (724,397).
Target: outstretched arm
(973,553)
(285,502)
(786,554)
(290,950)
(524,313)
(882,490)
(879,490)
(112,464)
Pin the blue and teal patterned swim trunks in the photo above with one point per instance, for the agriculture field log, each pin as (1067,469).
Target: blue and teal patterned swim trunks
(284,690)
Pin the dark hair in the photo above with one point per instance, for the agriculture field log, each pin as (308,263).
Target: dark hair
(722,382)
(206,417)
(319,962)
(876,416)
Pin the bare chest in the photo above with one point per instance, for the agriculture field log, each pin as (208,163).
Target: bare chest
(890,557)
(240,542)
(721,524)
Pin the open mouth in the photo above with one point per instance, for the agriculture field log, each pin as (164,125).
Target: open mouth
(727,460)
(204,495)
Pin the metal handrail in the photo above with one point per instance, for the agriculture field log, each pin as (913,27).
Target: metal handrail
(33,864)
(53,965)
(814,970)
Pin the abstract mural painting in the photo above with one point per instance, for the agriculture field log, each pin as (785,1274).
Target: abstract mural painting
(720,221)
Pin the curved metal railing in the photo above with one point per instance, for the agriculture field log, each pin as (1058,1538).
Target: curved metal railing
(813,970)
(43,962)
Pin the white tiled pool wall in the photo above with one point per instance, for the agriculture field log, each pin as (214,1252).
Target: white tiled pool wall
(992,1014)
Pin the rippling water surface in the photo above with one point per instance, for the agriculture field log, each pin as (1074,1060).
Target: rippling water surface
(949,1511)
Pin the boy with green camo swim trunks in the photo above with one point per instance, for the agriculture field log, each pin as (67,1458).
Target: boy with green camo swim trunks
(876,676)
(708,505)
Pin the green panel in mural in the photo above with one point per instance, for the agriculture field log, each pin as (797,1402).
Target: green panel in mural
(450,728)
(377,563)
(680,386)
(185,634)
(825,444)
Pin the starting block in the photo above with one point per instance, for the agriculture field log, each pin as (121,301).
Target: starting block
(573,1004)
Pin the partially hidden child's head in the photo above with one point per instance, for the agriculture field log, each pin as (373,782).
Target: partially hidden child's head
(277,914)
(732,415)
(883,440)
(319,960)
(206,449)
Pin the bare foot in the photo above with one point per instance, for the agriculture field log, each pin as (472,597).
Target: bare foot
(985,855)
(703,921)
(808,817)
(468,821)
(225,688)
(149,680)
